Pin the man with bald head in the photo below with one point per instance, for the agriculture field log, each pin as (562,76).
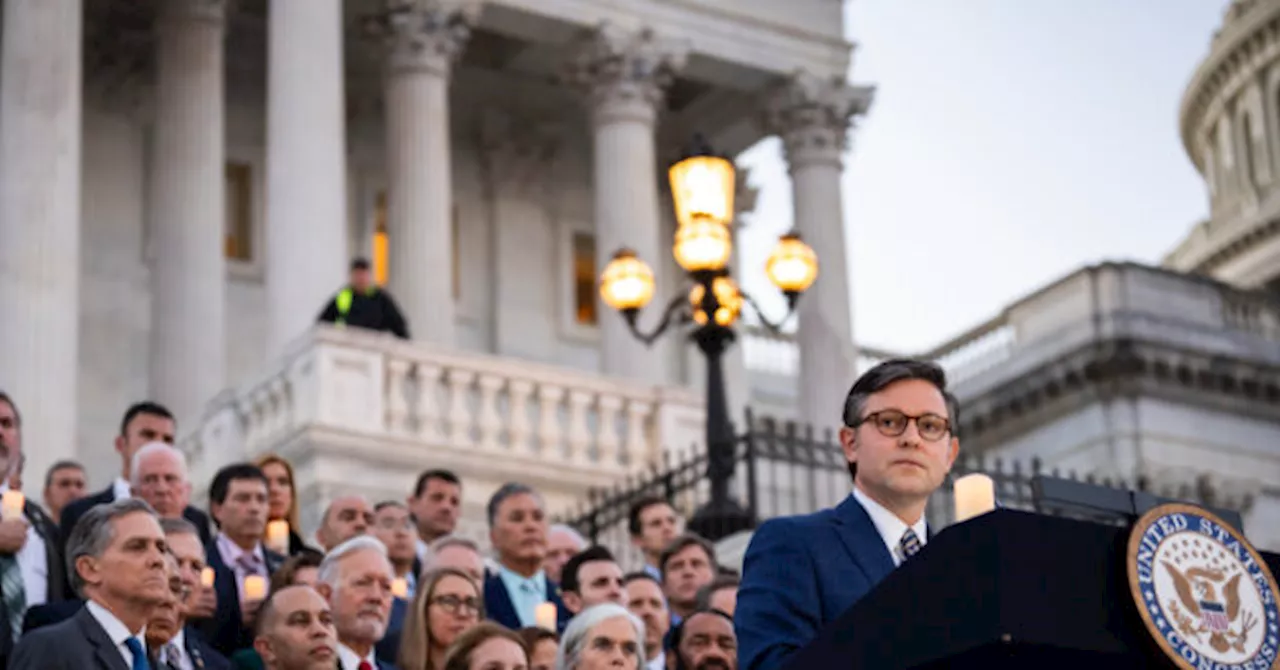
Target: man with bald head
(296,632)
(346,517)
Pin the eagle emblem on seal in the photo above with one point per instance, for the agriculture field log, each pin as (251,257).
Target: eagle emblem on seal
(1209,607)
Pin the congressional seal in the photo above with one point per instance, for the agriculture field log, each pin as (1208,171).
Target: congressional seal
(1204,593)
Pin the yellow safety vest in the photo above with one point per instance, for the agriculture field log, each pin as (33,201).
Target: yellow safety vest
(343,302)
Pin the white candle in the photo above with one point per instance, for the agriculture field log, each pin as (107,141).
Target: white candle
(277,538)
(400,587)
(255,587)
(206,578)
(975,495)
(545,616)
(12,504)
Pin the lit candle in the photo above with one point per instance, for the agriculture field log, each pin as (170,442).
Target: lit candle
(255,587)
(206,578)
(545,616)
(277,539)
(400,587)
(975,495)
(12,504)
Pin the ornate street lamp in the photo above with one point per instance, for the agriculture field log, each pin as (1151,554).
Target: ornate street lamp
(702,185)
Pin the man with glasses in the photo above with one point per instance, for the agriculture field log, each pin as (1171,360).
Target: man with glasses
(800,573)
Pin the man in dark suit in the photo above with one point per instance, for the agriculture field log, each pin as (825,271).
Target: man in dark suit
(143,422)
(355,578)
(518,531)
(800,573)
(186,649)
(238,502)
(118,555)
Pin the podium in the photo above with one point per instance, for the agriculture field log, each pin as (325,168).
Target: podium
(1007,589)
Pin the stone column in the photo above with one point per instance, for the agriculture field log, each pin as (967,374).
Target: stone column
(306,165)
(812,117)
(40,106)
(423,40)
(187,209)
(625,75)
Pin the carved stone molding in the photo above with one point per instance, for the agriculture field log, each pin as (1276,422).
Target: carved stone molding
(625,73)
(812,116)
(518,152)
(423,35)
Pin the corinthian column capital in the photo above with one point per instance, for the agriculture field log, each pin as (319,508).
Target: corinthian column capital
(625,73)
(424,35)
(812,116)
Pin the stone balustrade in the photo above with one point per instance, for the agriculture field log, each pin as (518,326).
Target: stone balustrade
(363,412)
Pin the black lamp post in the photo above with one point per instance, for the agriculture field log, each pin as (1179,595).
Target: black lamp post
(702,185)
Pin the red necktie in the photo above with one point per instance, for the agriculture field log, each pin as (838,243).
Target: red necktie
(365,665)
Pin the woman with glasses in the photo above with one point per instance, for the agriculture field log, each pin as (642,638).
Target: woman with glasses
(448,602)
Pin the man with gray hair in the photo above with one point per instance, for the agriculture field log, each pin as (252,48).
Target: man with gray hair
(562,543)
(355,578)
(158,475)
(116,560)
(458,553)
(604,635)
(518,532)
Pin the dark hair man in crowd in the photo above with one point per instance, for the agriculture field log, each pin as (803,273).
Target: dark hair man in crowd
(238,502)
(186,650)
(687,564)
(646,600)
(518,532)
(653,524)
(706,641)
(143,422)
(362,304)
(721,594)
(117,555)
(64,484)
(32,571)
(802,572)
(296,632)
(393,525)
(435,505)
(592,577)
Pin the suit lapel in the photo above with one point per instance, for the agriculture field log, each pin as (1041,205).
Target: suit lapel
(861,540)
(500,606)
(45,528)
(103,648)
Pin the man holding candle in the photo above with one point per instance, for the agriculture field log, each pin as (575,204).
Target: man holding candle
(518,531)
(238,502)
(800,573)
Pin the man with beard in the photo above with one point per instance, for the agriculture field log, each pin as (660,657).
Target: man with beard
(706,641)
(356,580)
(295,631)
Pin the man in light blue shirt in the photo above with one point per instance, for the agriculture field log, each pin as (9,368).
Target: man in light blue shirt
(518,532)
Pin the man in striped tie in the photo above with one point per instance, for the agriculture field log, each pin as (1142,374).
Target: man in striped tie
(800,573)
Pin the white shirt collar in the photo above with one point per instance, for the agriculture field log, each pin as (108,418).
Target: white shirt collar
(116,630)
(349,659)
(121,489)
(890,527)
(179,641)
(658,662)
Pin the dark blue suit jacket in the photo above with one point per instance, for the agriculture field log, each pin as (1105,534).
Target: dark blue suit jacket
(388,648)
(226,631)
(799,574)
(203,656)
(498,606)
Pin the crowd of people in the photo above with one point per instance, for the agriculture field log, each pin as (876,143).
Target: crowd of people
(136,578)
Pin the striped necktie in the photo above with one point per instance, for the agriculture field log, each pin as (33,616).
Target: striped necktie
(14,592)
(910,544)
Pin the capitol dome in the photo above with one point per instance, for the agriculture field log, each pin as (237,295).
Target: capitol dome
(1230,125)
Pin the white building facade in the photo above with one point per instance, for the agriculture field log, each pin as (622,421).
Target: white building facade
(183,182)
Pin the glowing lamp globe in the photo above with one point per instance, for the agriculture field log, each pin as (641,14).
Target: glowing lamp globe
(627,282)
(792,266)
(702,187)
(727,295)
(703,246)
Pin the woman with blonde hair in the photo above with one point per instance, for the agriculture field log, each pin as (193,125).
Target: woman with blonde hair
(487,646)
(448,602)
(282,497)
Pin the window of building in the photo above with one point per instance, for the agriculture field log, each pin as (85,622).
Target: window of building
(380,246)
(584,278)
(238,232)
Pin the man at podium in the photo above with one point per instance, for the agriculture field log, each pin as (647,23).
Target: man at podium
(802,572)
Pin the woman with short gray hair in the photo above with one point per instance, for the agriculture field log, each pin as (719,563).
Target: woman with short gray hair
(599,636)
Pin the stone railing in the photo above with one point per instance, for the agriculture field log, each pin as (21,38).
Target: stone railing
(404,404)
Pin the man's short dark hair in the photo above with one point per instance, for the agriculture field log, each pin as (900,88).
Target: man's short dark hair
(60,465)
(891,372)
(95,531)
(506,491)
(145,407)
(569,573)
(682,542)
(438,473)
(721,582)
(231,473)
(637,510)
(677,632)
(6,399)
(359,264)
(639,575)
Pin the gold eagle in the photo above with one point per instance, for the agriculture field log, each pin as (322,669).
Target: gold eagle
(1203,583)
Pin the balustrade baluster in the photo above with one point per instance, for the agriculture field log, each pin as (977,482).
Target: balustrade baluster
(607,431)
(639,448)
(518,427)
(490,421)
(397,396)
(427,415)
(579,438)
(549,431)
(459,419)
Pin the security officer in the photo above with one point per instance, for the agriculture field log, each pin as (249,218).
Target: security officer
(361,304)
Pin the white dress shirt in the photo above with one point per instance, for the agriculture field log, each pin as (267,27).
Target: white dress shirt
(890,527)
(121,489)
(658,662)
(116,630)
(350,661)
(33,563)
(182,661)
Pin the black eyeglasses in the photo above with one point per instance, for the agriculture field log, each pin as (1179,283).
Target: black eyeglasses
(457,605)
(893,423)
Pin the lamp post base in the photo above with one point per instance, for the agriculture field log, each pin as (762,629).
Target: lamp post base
(717,520)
